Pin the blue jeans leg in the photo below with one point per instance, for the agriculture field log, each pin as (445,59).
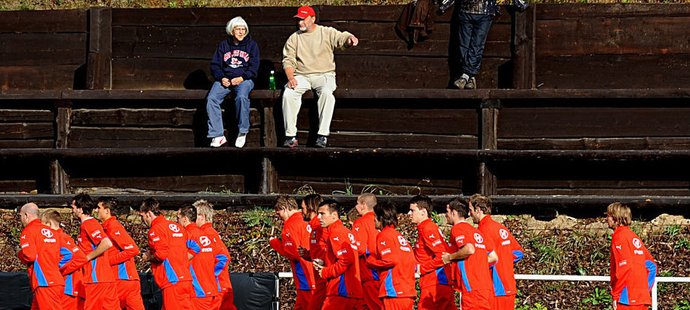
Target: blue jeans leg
(215,115)
(242,105)
(474,28)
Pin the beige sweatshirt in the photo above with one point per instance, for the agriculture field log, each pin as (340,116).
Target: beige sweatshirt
(312,52)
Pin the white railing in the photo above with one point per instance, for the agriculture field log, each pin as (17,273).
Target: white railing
(539,277)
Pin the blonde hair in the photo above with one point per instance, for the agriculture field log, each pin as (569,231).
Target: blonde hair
(204,208)
(620,213)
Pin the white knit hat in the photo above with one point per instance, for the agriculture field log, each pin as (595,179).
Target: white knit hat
(237,21)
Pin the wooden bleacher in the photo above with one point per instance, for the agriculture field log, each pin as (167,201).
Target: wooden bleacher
(115,102)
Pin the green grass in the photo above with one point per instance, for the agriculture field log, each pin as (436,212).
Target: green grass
(80,4)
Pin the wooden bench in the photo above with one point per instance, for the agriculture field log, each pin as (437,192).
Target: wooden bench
(133,118)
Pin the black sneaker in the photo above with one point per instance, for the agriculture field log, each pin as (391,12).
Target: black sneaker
(290,142)
(321,142)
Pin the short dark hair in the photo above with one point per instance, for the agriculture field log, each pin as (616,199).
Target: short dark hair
(150,204)
(386,213)
(112,204)
(189,212)
(312,201)
(285,202)
(332,205)
(84,202)
(423,202)
(456,204)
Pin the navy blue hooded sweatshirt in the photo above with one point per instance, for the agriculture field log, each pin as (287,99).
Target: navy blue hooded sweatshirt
(233,60)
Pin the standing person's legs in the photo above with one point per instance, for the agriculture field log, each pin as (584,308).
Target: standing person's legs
(178,296)
(303,300)
(242,105)
(129,292)
(324,85)
(292,101)
(465,37)
(215,115)
(371,294)
(481,24)
(505,302)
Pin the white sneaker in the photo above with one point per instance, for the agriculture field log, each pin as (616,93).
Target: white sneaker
(241,140)
(218,141)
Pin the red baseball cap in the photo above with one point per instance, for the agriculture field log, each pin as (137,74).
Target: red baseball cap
(304,12)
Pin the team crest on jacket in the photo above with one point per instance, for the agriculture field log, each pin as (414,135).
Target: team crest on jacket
(478,237)
(503,233)
(402,241)
(174,228)
(309,228)
(205,241)
(47,233)
(637,243)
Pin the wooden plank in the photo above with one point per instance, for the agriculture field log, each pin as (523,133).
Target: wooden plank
(401,140)
(614,71)
(42,49)
(593,122)
(98,71)
(83,137)
(612,36)
(576,11)
(508,183)
(269,177)
(26,130)
(418,121)
(260,15)
(377,186)
(43,143)
(37,77)
(50,21)
(13,116)
(597,192)
(183,183)
(17,186)
(642,143)
(87,137)
(175,117)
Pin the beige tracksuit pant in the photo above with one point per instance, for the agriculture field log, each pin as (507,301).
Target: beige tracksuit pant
(324,85)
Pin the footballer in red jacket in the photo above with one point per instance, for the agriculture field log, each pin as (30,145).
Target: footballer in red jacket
(121,254)
(507,249)
(364,229)
(341,266)
(436,292)
(204,262)
(99,279)
(472,256)
(317,247)
(169,256)
(394,260)
(633,270)
(71,262)
(204,218)
(295,234)
(40,251)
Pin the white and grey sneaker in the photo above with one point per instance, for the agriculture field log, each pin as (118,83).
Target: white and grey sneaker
(241,140)
(218,141)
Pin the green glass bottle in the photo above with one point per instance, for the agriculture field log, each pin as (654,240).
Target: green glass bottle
(272,81)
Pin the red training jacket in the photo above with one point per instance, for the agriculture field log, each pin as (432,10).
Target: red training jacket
(633,270)
(341,264)
(122,252)
(204,262)
(428,251)
(71,262)
(168,246)
(474,274)
(90,236)
(295,234)
(317,245)
(364,229)
(508,251)
(222,259)
(396,264)
(40,251)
